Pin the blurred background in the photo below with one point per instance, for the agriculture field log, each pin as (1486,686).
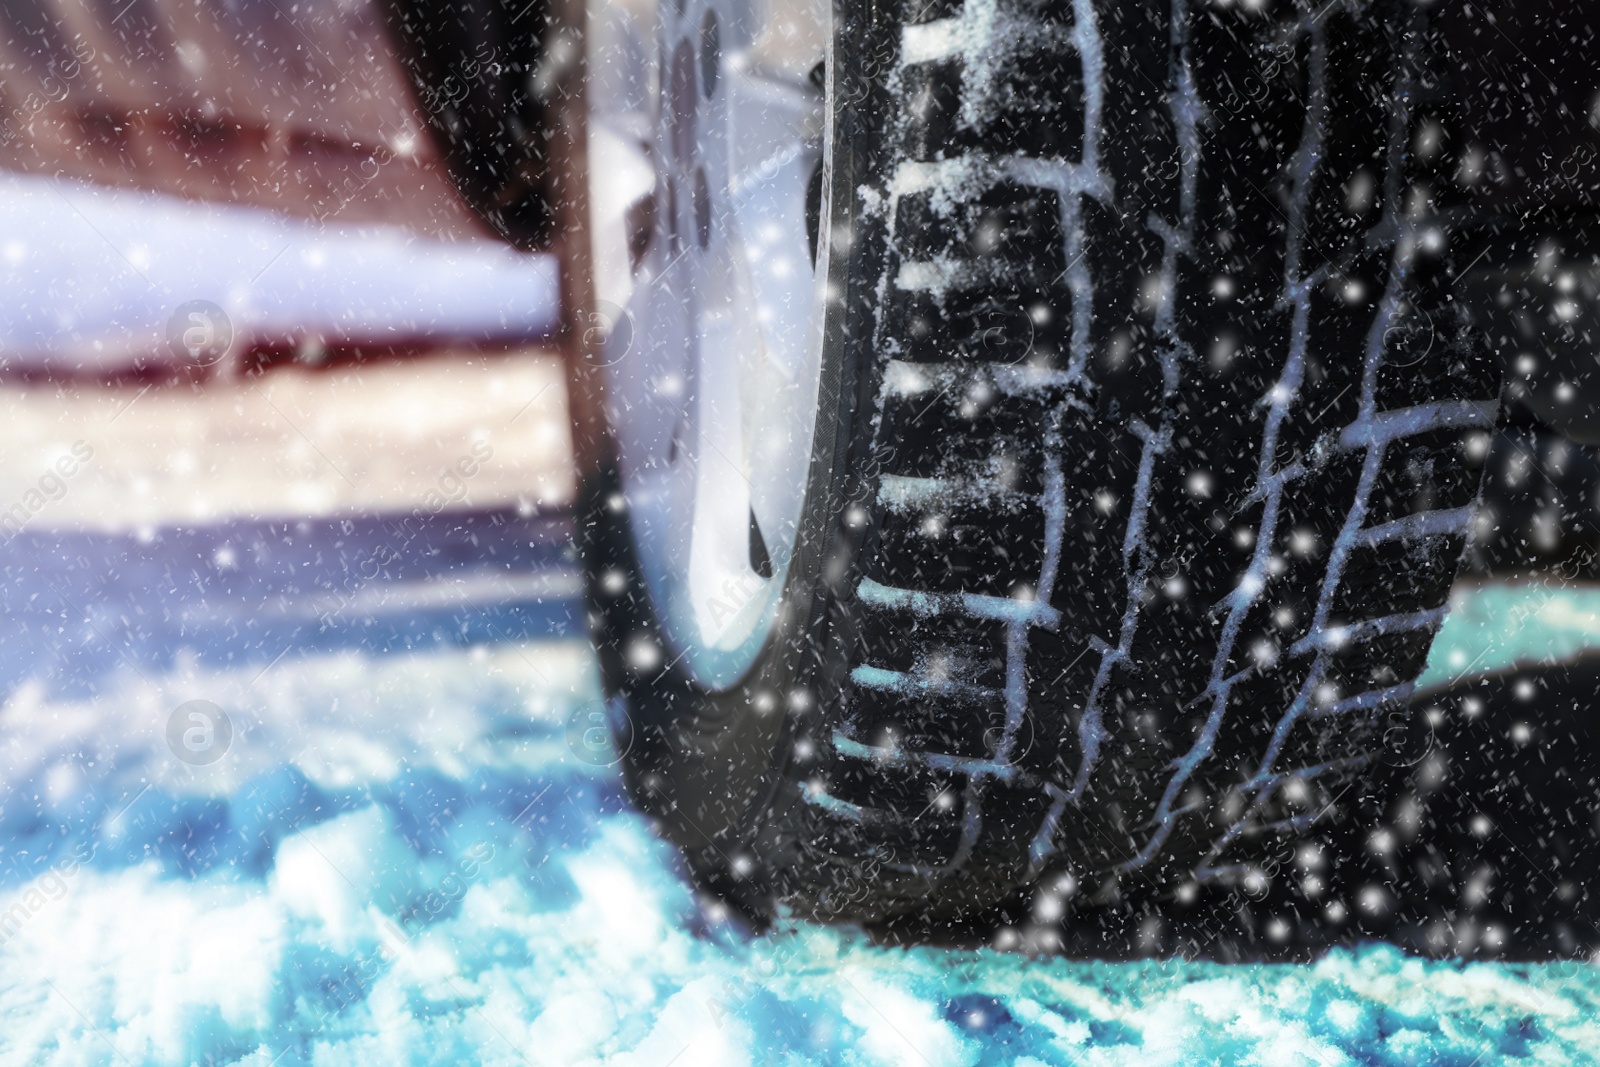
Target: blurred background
(243,304)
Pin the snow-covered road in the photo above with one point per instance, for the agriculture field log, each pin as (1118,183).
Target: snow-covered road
(402,859)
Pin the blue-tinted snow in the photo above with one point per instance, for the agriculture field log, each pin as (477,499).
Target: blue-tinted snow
(401,860)
(1495,628)
(91,276)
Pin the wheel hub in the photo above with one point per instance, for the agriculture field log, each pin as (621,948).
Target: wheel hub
(704,150)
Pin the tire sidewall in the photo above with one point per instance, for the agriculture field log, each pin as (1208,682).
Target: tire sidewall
(705,764)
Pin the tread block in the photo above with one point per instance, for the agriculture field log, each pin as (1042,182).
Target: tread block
(991,326)
(1011,231)
(956,724)
(1034,107)
(1347,196)
(1377,663)
(901,641)
(1433,353)
(928,805)
(1428,472)
(1140,153)
(1018,811)
(1098,464)
(1061,670)
(964,434)
(961,549)
(1409,573)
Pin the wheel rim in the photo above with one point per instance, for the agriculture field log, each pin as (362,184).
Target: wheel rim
(706,150)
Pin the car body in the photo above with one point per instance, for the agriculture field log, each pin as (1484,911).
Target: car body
(302,109)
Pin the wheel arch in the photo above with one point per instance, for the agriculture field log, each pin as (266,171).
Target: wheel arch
(492,81)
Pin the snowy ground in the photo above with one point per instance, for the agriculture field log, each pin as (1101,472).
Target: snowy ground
(415,859)
(282,783)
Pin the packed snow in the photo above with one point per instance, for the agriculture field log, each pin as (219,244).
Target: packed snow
(418,859)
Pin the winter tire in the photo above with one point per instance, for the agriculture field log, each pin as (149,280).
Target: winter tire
(1131,428)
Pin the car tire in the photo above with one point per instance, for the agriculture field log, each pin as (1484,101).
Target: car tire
(1148,439)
